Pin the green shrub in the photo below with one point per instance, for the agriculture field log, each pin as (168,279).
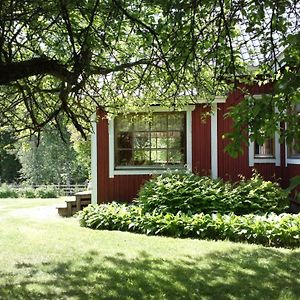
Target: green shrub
(256,195)
(7,191)
(188,193)
(28,192)
(46,192)
(269,230)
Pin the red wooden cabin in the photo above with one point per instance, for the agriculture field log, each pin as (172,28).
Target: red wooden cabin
(126,153)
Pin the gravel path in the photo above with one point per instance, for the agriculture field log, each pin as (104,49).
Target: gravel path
(39,212)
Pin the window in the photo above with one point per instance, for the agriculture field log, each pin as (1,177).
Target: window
(266,150)
(293,150)
(269,151)
(150,142)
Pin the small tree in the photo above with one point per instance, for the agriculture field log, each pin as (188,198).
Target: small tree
(50,160)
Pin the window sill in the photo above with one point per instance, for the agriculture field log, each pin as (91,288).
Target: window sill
(264,160)
(133,171)
(293,161)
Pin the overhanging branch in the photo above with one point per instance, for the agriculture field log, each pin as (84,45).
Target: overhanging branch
(10,72)
(104,71)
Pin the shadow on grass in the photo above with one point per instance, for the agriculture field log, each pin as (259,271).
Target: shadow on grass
(240,274)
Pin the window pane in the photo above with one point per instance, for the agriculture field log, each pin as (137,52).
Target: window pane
(265,150)
(123,124)
(141,123)
(141,140)
(159,122)
(175,139)
(160,139)
(159,156)
(176,121)
(123,157)
(124,140)
(294,149)
(176,157)
(141,157)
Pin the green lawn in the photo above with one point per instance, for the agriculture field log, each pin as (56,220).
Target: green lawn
(53,258)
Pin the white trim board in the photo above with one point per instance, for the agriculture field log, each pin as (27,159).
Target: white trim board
(94,171)
(214,140)
(293,161)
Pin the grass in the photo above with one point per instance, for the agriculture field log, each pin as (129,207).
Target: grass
(54,258)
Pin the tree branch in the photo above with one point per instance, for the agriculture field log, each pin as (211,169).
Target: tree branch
(10,72)
(121,67)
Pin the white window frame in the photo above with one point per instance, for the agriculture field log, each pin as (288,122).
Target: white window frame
(132,170)
(290,160)
(267,160)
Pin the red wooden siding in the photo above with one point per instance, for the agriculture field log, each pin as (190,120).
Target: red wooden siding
(121,187)
(230,168)
(201,141)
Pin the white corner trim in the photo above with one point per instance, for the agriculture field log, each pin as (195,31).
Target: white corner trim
(251,154)
(189,147)
(94,170)
(111,148)
(277,150)
(214,140)
(285,150)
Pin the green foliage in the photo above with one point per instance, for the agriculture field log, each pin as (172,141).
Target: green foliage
(10,191)
(46,192)
(50,160)
(294,183)
(7,192)
(293,189)
(28,192)
(269,230)
(256,195)
(9,164)
(185,192)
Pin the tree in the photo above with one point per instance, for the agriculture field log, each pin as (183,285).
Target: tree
(9,164)
(66,57)
(50,160)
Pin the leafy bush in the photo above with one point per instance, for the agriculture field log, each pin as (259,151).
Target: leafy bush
(28,192)
(46,192)
(7,191)
(256,195)
(188,193)
(269,230)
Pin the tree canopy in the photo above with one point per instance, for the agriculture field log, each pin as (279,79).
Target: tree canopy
(66,57)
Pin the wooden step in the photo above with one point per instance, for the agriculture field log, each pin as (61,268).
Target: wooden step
(82,199)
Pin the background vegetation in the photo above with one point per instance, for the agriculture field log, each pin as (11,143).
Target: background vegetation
(49,158)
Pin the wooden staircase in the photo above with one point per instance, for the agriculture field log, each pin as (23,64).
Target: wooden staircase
(82,199)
